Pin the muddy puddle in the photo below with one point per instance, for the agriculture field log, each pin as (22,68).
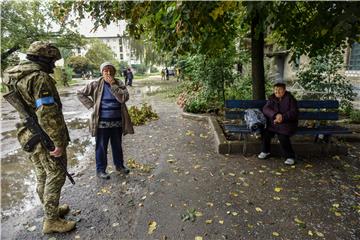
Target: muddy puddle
(18,180)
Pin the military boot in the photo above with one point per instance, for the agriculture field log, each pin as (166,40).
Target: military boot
(63,210)
(58,225)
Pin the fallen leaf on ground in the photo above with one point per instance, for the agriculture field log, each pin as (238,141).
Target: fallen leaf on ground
(209,221)
(276,198)
(258,209)
(31,229)
(232,174)
(336,205)
(221,221)
(234,213)
(210,204)
(115,224)
(277,189)
(276,234)
(338,214)
(319,234)
(152,227)
(310,233)
(198,238)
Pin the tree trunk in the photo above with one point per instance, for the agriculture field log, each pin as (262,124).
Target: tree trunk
(257,60)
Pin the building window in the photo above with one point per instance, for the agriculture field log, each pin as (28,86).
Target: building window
(354,60)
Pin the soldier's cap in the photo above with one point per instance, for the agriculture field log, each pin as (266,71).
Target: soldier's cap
(103,65)
(44,49)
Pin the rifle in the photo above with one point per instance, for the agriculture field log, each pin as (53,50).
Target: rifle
(15,100)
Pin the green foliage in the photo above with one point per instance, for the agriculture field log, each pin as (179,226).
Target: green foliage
(79,64)
(153,69)
(323,76)
(24,22)
(63,75)
(309,27)
(142,115)
(139,68)
(355,116)
(98,53)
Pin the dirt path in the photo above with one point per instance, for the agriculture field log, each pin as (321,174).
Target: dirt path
(193,192)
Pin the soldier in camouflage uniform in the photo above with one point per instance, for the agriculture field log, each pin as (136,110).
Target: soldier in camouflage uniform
(37,88)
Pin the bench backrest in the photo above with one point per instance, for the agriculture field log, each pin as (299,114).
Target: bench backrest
(309,109)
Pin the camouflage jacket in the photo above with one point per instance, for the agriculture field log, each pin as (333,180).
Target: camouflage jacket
(33,84)
(90,96)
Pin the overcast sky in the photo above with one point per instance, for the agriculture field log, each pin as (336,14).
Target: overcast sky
(111,30)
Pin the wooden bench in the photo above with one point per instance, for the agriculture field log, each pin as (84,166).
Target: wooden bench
(315,110)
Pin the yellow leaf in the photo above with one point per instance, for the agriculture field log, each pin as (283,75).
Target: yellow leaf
(234,213)
(198,238)
(319,234)
(338,214)
(278,189)
(197,166)
(298,221)
(234,194)
(209,221)
(278,173)
(198,214)
(228,204)
(293,166)
(261,171)
(336,205)
(310,233)
(276,234)
(210,204)
(232,174)
(258,209)
(152,227)
(171,161)
(221,221)
(308,166)
(276,198)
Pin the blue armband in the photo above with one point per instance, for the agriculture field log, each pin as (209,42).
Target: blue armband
(44,101)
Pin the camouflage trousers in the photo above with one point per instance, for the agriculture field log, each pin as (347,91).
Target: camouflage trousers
(50,179)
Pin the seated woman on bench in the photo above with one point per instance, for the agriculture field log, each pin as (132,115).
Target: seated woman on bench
(281,112)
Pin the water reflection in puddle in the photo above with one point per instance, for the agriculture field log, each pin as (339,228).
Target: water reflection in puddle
(18,180)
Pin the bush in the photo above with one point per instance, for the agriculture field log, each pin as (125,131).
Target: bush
(142,115)
(323,78)
(355,116)
(139,68)
(153,69)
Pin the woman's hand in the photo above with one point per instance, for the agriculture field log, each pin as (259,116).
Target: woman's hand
(109,79)
(278,118)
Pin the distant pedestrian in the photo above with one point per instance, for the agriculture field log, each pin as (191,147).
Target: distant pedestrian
(124,72)
(110,119)
(130,77)
(282,112)
(167,73)
(162,74)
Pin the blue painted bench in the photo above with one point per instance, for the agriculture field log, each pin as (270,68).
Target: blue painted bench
(315,110)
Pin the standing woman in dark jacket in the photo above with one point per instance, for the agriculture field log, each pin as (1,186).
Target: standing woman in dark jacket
(282,112)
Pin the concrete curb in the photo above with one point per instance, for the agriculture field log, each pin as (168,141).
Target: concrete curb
(224,146)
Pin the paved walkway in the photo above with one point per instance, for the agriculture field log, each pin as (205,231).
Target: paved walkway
(194,193)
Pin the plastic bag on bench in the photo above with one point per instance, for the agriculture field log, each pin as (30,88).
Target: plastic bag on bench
(255,121)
